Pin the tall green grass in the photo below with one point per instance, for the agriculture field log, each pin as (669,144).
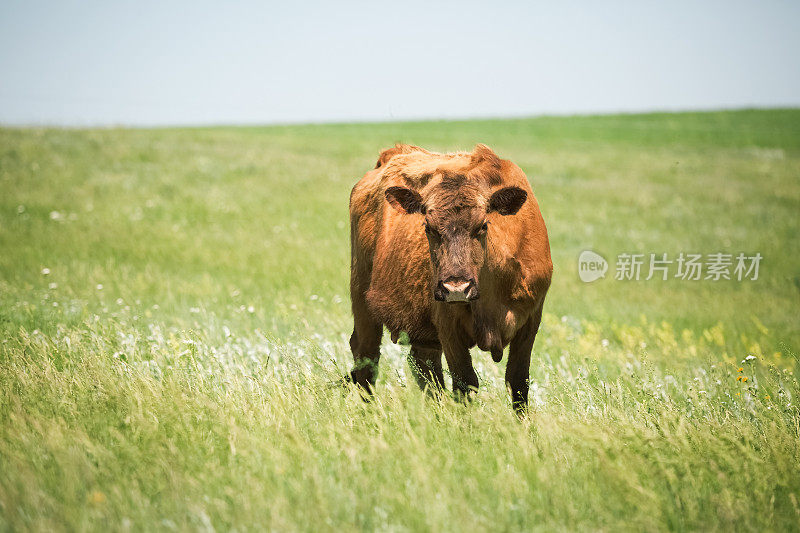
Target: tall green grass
(174,321)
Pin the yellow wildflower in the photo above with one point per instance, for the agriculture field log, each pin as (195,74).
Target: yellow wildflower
(96,497)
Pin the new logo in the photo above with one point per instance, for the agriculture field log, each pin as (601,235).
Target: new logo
(591,266)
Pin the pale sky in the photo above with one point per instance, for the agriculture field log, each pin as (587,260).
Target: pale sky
(192,62)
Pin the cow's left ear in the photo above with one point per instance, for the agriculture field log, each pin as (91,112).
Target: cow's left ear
(507,201)
(404,199)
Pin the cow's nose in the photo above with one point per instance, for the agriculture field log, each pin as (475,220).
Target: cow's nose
(456,286)
(458,290)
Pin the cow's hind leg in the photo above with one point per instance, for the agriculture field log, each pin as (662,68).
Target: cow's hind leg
(425,361)
(365,343)
(519,362)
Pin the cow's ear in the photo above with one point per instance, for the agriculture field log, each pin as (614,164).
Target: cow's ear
(507,201)
(404,199)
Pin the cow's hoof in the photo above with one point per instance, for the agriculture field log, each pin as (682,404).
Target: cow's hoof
(365,388)
(465,396)
(520,409)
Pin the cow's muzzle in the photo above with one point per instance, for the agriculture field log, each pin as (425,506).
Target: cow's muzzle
(456,291)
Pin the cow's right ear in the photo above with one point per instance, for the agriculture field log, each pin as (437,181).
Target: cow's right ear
(507,201)
(404,199)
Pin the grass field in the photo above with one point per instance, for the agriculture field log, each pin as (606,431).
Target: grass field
(174,314)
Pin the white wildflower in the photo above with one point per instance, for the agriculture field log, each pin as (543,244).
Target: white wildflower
(45,271)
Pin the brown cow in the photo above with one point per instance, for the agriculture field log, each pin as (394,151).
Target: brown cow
(452,249)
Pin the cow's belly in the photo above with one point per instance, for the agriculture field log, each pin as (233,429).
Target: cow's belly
(399,293)
(399,316)
(402,304)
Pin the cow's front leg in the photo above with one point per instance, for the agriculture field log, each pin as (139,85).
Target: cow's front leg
(365,344)
(519,362)
(459,362)
(425,361)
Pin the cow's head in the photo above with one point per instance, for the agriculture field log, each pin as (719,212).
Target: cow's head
(456,220)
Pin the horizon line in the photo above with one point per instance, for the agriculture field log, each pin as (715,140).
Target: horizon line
(409,120)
